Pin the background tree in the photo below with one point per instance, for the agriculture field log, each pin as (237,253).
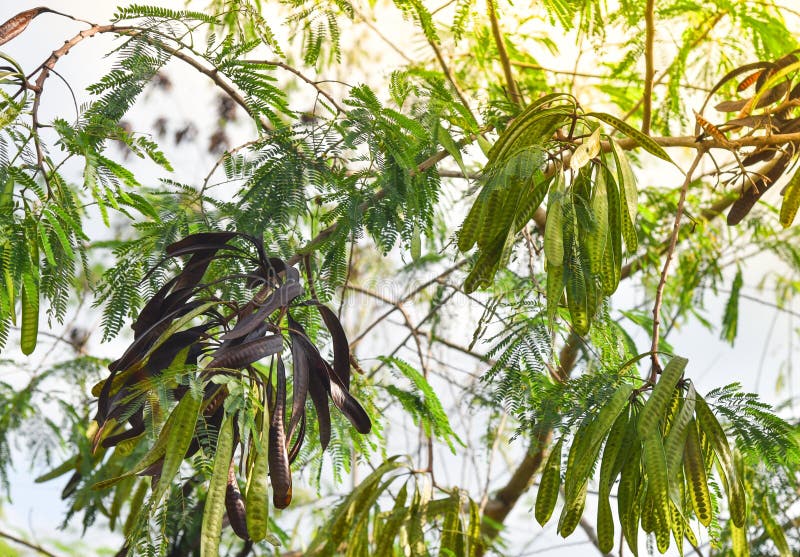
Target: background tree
(548,228)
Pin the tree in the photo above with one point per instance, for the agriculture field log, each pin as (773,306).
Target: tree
(476,174)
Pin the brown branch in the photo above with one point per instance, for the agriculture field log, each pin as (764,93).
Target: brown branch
(513,90)
(712,23)
(649,71)
(673,241)
(29,545)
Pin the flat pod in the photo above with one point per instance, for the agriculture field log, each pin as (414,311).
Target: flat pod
(279,471)
(17,24)
(214,510)
(245,354)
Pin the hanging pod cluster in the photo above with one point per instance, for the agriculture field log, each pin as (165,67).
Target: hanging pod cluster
(187,344)
(591,207)
(770,110)
(586,223)
(661,450)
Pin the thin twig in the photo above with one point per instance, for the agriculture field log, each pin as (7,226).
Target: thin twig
(673,240)
(298,73)
(29,545)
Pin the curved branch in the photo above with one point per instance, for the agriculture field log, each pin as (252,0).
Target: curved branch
(29,545)
(649,71)
(513,90)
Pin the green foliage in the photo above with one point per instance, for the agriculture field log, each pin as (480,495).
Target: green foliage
(372,181)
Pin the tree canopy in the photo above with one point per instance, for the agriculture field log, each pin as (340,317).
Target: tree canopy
(425,299)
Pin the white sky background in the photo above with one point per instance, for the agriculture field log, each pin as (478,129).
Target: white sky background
(766,338)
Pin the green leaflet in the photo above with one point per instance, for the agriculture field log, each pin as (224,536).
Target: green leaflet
(716,435)
(547,495)
(644,141)
(791,200)
(215,500)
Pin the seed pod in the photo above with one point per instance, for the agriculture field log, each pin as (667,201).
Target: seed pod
(597,238)
(547,495)
(605,522)
(180,437)
(19,23)
(215,500)
(29,329)
(553,232)
(279,471)
(655,465)
(555,288)
(716,435)
(656,405)
(234,505)
(257,503)
(572,511)
(696,479)
(676,438)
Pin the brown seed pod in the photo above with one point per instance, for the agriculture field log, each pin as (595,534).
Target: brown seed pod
(711,129)
(234,505)
(749,80)
(18,23)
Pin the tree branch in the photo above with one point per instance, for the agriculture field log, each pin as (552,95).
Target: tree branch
(29,545)
(513,90)
(649,71)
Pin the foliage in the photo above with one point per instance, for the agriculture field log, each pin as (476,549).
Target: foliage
(208,408)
